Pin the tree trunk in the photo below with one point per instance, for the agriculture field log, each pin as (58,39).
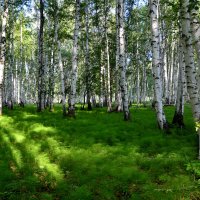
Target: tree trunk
(87,62)
(72,100)
(189,63)
(3,51)
(196,38)
(62,80)
(41,91)
(107,57)
(178,115)
(156,62)
(118,97)
(122,66)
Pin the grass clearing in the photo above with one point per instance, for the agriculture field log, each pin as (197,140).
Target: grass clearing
(96,156)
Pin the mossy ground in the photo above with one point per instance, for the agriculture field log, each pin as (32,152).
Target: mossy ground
(96,156)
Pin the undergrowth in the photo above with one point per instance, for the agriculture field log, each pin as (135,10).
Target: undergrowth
(96,156)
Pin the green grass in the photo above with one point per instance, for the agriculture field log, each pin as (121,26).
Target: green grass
(96,156)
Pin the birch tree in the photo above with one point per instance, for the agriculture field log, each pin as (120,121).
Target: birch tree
(189,63)
(3,50)
(87,58)
(178,115)
(156,64)
(118,98)
(41,95)
(122,62)
(72,99)
(196,38)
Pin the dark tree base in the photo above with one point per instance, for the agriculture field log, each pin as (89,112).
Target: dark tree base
(127,116)
(71,112)
(166,128)
(153,105)
(89,106)
(21,104)
(10,105)
(178,119)
(64,111)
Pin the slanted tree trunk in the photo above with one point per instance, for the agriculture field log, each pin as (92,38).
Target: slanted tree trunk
(189,63)
(72,100)
(156,64)
(178,115)
(2,51)
(122,65)
(41,101)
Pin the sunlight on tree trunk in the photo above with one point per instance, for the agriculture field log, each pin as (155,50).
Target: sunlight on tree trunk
(156,64)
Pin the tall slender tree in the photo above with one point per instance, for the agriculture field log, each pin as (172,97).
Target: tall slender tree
(41,95)
(156,63)
(72,99)
(190,69)
(3,50)
(122,61)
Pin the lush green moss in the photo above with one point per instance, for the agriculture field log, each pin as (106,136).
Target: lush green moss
(96,156)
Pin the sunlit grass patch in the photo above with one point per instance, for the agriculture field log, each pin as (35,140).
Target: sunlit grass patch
(95,156)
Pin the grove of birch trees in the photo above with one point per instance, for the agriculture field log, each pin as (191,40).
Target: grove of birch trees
(101,53)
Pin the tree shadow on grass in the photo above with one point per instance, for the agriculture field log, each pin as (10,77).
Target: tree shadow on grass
(96,156)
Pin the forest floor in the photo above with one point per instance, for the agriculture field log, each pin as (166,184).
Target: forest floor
(96,156)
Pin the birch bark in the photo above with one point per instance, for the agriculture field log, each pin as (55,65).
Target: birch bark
(189,63)
(178,115)
(72,100)
(156,64)
(122,66)
(41,91)
(118,97)
(3,51)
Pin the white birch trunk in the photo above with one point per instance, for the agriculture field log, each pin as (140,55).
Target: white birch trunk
(196,38)
(178,115)
(189,64)
(118,97)
(107,56)
(62,80)
(72,100)
(3,51)
(156,62)
(122,66)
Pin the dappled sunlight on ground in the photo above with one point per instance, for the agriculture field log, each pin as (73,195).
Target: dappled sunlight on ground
(95,156)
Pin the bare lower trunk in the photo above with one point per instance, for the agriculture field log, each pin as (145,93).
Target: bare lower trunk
(196,38)
(107,56)
(3,51)
(156,62)
(189,62)
(87,58)
(72,100)
(118,97)
(41,91)
(178,115)
(62,81)
(122,62)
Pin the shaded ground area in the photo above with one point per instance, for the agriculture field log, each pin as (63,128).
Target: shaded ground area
(96,156)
